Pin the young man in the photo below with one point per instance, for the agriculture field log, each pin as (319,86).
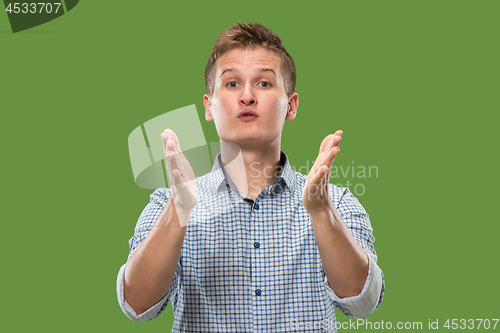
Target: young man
(252,245)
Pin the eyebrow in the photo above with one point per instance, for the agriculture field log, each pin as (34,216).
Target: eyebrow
(235,70)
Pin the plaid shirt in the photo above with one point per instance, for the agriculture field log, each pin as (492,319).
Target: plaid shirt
(248,266)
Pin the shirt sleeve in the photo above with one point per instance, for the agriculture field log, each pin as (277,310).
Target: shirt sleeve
(362,305)
(357,220)
(146,221)
(151,313)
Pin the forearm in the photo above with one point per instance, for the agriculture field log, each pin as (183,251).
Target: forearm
(150,269)
(344,261)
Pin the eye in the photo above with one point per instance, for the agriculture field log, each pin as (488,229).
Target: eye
(264,84)
(232,84)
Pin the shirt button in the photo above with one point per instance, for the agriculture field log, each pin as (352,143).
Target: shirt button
(258,292)
(256,206)
(256,244)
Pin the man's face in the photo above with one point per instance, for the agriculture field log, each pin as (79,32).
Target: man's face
(249,104)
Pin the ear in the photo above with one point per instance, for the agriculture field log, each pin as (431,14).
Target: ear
(208,105)
(293,104)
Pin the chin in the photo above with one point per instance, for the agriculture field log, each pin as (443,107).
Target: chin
(243,139)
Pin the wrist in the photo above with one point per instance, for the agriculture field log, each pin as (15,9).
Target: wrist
(327,214)
(320,213)
(321,210)
(174,215)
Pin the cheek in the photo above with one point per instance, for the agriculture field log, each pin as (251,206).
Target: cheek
(280,108)
(218,110)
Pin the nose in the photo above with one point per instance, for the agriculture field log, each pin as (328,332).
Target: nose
(247,96)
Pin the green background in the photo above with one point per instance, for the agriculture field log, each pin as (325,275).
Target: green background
(413,84)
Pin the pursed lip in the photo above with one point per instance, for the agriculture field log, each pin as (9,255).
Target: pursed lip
(247,112)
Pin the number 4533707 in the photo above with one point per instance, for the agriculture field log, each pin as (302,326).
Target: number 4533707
(33,8)
(470,324)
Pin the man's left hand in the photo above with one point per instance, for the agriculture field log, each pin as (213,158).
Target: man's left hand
(315,196)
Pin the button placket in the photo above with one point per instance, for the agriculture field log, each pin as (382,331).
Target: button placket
(257,259)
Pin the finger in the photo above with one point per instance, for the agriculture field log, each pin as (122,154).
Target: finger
(317,165)
(335,140)
(329,141)
(182,163)
(185,167)
(176,178)
(330,156)
(164,138)
(171,134)
(328,149)
(180,186)
(319,179)
(337,137)
(169,169)
(168,134)
(174,164)
(320,173)
(333,149)
(168,146)
(325,143)
(178,161)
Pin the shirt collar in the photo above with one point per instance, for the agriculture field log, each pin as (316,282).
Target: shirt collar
(219,179)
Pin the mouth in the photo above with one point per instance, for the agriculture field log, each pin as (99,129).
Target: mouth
(247,115)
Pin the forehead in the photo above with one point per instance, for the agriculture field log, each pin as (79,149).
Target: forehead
(254,58)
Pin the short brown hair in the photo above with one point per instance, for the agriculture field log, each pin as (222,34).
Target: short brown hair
(243,35)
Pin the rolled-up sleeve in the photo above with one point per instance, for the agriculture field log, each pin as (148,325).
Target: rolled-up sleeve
(146,221)
(357,221)
(362,305)
(151,313)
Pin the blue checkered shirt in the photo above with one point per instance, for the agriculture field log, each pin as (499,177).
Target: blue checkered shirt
(248,266)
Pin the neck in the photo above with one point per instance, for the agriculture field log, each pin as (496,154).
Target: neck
(251,168)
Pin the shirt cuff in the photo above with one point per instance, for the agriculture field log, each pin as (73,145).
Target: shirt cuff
(362,305)
(151,313)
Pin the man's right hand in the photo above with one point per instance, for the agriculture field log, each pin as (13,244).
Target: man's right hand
(180,176)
